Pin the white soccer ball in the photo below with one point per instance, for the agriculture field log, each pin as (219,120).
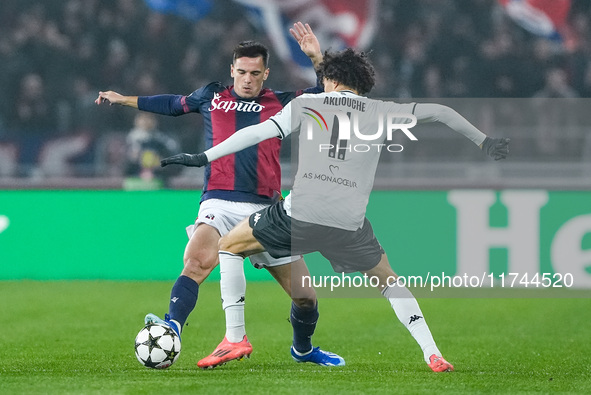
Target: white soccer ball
(157,346)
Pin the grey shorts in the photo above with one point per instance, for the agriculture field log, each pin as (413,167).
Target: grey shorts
(347,251)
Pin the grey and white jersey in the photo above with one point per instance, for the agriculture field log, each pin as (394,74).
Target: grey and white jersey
(341,136)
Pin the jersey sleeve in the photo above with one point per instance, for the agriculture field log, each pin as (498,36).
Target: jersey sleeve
(161,104)
(282,121)
(176,105)
(243,138)
(431,112)
(195,100)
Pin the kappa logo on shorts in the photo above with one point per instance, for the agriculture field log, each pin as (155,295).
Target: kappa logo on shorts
(210,217)
(257,216)
(414,318)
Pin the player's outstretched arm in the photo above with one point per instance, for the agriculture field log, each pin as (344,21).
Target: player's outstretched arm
(166,104)
(240,140)
(308,41)
(496,148)
(116,98)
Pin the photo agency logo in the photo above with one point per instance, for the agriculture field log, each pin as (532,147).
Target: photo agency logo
(352,131)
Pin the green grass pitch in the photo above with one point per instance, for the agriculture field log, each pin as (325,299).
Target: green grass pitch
(77,337)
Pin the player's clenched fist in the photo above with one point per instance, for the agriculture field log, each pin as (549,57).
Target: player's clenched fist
(196,160)
(116,98)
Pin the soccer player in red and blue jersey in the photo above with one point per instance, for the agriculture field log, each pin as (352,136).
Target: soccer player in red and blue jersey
(234,188)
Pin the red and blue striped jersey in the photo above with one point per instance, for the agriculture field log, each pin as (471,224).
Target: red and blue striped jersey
(251,175)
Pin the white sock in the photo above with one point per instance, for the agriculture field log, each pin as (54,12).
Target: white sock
(300,354)
(409,313)
(233,290)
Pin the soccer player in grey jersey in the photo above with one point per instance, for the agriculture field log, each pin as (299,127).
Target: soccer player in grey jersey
(325,210)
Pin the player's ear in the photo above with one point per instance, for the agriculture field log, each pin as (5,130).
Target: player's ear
(232,70)
(266,74)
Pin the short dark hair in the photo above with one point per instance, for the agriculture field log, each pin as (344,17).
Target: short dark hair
(350,68)
(251,49)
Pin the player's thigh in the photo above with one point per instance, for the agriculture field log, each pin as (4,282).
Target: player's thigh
(240,240)
(350,251)
(203,246)
(216,218)
(223,215)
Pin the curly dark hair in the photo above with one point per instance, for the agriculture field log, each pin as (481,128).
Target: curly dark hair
(251,49)
(349,68)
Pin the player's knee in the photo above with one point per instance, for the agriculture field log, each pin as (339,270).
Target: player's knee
(307,302)
(226,244)
(200,264)
(223,244)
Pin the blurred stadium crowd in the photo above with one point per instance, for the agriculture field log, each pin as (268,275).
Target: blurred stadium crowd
(56,55)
